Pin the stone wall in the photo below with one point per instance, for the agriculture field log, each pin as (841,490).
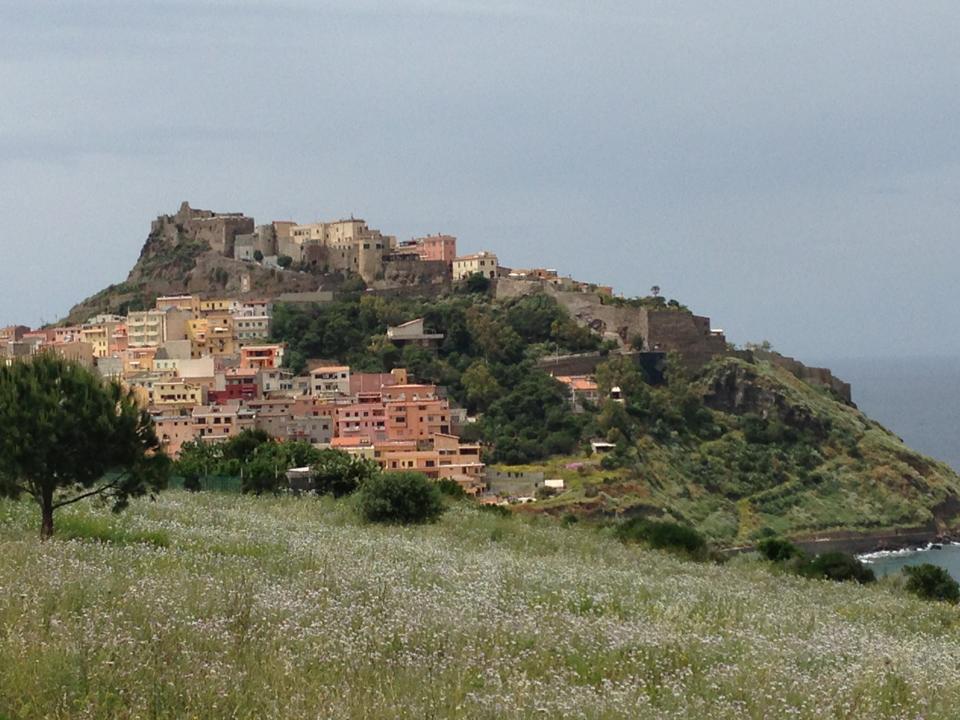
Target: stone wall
(413,271)
(689,335)
(813,375)
(661,330)
(512,482)
(652,364)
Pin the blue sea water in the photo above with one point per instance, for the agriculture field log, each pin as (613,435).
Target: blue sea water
(947,557)
(919,400)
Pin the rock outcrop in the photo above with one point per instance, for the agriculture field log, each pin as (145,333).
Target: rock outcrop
(187,253)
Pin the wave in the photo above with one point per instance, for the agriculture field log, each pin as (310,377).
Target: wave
(879,554)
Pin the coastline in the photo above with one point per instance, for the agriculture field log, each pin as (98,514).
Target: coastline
(854,543)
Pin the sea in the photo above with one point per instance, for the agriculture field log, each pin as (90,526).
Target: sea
(917,398)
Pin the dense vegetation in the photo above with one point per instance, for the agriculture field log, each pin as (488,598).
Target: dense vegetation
(790,459)
(486,359)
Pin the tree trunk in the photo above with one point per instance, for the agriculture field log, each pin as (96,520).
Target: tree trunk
(46,510)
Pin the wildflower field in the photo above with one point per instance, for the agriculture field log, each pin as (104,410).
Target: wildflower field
(222,606)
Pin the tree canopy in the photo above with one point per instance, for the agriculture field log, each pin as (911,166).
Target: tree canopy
(66,435)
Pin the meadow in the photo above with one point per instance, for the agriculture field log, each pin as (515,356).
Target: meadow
(226,606)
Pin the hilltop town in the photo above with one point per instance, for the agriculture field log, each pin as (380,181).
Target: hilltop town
(204,365)
(514,383)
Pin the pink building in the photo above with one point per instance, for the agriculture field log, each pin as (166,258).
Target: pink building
(366,418)
(441,248)
(174,430)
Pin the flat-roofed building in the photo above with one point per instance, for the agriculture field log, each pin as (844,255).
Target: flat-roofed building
(259,357)
(330,381)
(155,327)
(177,393)
(482,263)
(216,423)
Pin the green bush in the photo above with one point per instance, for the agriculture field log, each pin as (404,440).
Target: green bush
(932,583)
(777,549)
(501,510)
(400,497)
(451,488)
(338,473)
(836,566)
(663,535)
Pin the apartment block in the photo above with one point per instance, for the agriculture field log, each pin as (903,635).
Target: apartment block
(330,381)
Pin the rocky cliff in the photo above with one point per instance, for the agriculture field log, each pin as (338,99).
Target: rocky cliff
(186,253)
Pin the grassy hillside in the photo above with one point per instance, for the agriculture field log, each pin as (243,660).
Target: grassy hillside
(770,455)
(225,606)
(740,450)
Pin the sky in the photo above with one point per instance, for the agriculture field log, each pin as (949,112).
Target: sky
(791,169)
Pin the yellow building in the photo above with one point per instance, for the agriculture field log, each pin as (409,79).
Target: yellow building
(99,334)
(212,335)
(176,302)
(202,308)
(177,393)
(345,245)
(485,263)
(138,360)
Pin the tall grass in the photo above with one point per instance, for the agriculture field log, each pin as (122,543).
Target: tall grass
(289,608)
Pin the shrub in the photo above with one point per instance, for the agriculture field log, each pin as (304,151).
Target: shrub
(501,510)
(451,488)
(777,549)
(663,535)
(932,583)
(836,566)
(338,473)
(476,283)
(400,497)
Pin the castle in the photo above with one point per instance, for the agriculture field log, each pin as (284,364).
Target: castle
(346,245)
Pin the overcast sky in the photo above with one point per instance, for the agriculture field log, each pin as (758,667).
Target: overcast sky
(791,169)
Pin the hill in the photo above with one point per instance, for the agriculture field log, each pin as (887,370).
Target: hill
(746,445)
(220,606)
(739,443)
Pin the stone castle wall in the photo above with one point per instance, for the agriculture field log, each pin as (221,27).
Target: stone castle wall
(661,330)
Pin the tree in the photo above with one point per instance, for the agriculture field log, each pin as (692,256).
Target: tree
(284,261)
(932,582)
(836,566)
(623,372)
(244,444)
(197,459)
(337,473)
(65,435)
(480,385)
(400,497)
(258,256)
(477,283)
(655,291)
(777,549)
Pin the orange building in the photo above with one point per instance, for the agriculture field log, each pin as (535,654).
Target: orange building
(366,418)
(261,356)
(417,419)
